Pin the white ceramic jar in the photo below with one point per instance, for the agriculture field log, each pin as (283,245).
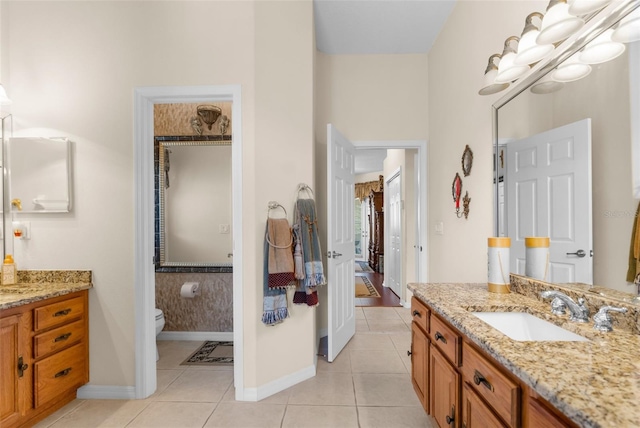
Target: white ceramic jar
(498,264)
(536,257)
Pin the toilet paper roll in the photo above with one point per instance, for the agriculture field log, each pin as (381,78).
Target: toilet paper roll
(190,289)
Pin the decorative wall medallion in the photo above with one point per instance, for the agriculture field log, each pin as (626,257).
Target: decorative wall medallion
(465,204)
(456,191)
(467,160)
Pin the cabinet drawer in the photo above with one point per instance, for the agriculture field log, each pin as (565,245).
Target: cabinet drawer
(60,373)
(502,394)
(445,339)
(420,314)
(59,338)
(58,313)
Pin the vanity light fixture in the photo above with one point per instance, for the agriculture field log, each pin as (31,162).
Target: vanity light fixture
(529,51)
(489,86)
(584,7)
(546,85)
(4,99)
(570,70)
(628,29)
(601,49)
(507,70)
(558,23)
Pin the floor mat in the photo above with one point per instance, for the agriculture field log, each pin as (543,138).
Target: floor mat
(363,267)
(364,288)
(211,353)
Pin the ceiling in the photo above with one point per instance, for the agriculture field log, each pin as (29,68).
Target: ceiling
(379,26)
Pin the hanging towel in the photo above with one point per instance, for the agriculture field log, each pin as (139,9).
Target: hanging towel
(280,239)
(274,301)
(633,273)
(306,226)
(298,261)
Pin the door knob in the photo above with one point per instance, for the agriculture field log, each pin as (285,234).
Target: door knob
(579,253)
(333,254)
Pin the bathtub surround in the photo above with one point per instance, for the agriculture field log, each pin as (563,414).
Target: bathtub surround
(211,311)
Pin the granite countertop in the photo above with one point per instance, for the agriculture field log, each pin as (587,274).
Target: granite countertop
(594,383)
(35,285)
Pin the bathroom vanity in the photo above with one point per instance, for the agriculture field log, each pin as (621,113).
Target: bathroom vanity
(44,344)
(467,373)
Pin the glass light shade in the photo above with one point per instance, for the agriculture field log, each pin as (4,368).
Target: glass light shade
(529,51)
(4,99)
(489,85)
(558,24)
(583,7)
(601,49)
(571,70)
(508,71)
(628,29)
(546,85)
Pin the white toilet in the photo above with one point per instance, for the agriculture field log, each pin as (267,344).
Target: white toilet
(159,327)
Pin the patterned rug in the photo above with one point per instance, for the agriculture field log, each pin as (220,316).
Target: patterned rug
(363,267)
(211,353)
(364,288)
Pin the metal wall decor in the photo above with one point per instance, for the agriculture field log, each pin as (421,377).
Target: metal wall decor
(467,160)
(465,205)
(456,191)
(209,114)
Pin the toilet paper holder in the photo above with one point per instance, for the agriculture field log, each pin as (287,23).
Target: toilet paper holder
(190,289)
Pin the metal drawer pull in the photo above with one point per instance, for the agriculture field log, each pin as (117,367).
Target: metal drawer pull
(439,336)
(21,366)
(63,372)
(62,337)
(62,312)
(417,314)
(451,418)
(479,379)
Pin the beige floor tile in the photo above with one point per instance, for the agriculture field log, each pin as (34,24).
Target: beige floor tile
(397,417)
(384,390)
(387,325)
(281,397)
(326,388)
(381,313)
(405,314)
(246,415)
(362,326)
(164,378)
(174,352)
(366,341)
(172,415)
(377,361)
(198,386)
(401,340)
(342,363)
(102,413)
(320,417)
(68,408)
(359,313)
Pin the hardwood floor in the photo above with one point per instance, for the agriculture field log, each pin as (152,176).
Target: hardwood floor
(387,297)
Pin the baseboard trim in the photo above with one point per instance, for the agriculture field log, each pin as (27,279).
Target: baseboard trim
(106,392)
(222,336)
(278,385)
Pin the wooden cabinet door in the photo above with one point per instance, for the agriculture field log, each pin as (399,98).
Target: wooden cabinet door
(13,382)
(475,413)
(538,415)
(420,364)
(444,390)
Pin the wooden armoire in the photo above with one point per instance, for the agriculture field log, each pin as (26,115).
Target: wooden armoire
(376,227)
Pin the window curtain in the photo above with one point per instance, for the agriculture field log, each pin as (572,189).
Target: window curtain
(363,189)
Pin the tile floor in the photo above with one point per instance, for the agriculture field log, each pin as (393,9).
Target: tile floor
(368,385)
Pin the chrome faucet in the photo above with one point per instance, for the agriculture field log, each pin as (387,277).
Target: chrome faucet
(579,312)
(603,320)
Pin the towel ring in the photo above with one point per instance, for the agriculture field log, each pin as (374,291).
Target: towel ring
(305,188)
(273,205)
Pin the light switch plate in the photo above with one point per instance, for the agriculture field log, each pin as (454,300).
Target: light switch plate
(439,228)
(224,228)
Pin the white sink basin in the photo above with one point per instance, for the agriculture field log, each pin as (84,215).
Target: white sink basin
(522,326)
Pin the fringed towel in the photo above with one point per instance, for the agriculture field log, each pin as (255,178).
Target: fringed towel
(274,301)
(306,237)
(633,273)
(280,240)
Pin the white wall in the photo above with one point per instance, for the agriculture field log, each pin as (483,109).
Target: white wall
(459,116)
(73,67)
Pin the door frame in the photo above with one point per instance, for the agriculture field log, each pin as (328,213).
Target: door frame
(144,215)
(422,220)
(397,173)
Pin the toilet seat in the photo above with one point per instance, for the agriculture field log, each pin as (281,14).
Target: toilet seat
(159,314)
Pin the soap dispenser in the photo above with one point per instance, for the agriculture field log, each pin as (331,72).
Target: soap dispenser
(9,271)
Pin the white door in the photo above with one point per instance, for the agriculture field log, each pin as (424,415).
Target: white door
(340,241)
(393,268)
(549,194)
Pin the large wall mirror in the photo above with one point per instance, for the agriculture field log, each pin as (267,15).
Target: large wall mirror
(194,210)
(564,164)
(39,173)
